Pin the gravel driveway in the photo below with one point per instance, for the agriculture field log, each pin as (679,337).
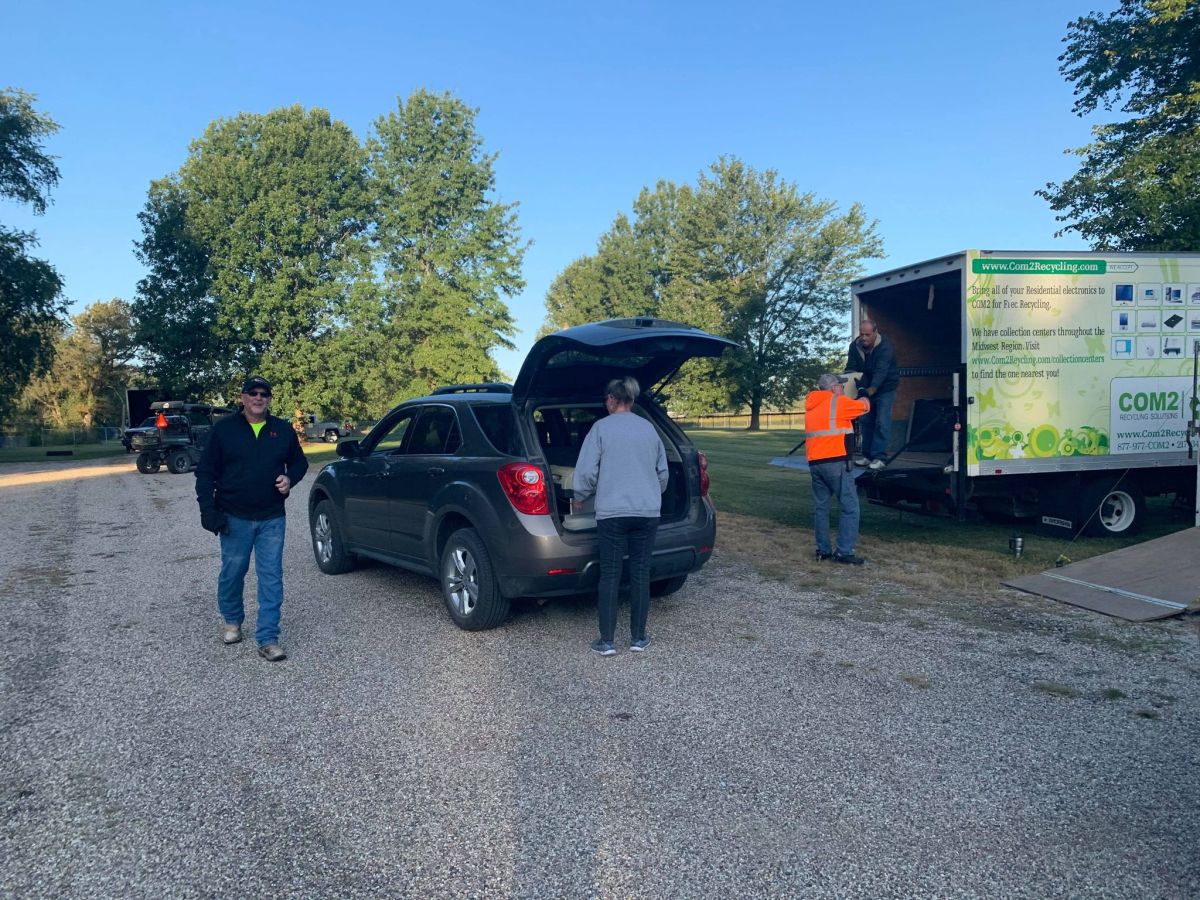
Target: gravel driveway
(772,743)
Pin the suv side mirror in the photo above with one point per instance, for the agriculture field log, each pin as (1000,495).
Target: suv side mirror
(347,449)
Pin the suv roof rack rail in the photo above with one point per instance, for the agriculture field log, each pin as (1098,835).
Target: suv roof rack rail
(491,387)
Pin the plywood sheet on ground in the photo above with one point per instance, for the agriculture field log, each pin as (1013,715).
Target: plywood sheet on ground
(1151,580)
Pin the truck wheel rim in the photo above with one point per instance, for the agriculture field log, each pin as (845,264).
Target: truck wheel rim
(1117,511)
(323,536)
(462,580)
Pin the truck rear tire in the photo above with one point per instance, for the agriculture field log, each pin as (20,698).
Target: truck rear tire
(147,465)
(331,436)
(179,462)
(1112,510)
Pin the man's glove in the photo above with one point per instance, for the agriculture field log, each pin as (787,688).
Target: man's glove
(212,519)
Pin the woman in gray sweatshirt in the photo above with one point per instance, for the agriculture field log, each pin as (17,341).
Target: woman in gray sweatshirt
(624,465)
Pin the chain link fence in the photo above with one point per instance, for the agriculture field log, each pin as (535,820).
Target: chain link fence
(768,421)
(59,437)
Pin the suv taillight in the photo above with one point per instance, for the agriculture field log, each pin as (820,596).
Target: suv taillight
(703,474)
(525,487)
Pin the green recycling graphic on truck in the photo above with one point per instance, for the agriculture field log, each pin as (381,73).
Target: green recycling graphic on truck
(1079,357)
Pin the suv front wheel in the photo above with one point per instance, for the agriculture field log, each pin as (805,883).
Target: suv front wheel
(469,585)
(332,558)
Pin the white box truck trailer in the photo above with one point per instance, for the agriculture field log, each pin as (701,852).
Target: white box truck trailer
(1058,385)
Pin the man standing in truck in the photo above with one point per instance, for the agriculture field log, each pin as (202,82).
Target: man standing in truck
(874,356)
(829,437)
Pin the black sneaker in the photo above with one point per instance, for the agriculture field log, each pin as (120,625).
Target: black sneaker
(821,557)
(640,646)
(604,648)
(848,560)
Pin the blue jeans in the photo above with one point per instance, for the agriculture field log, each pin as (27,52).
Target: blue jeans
(877,426)
(265,538)
(615,537)
(831,480)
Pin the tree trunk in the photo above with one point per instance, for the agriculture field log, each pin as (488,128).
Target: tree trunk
(755,409)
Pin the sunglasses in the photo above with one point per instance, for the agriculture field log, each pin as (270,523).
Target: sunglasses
(258,394)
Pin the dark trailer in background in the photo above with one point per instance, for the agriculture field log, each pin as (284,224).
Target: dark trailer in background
(137,404)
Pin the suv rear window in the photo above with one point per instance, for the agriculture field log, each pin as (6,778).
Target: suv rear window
(498,422)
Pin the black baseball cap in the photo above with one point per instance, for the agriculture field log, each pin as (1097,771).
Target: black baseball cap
(256,383)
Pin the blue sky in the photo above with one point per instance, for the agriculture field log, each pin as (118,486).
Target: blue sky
(941,118)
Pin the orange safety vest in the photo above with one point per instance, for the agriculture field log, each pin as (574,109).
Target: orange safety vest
(828,425)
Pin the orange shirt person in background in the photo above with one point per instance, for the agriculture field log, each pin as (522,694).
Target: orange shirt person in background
(829,440)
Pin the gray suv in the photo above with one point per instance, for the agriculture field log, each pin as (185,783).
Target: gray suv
(471,485)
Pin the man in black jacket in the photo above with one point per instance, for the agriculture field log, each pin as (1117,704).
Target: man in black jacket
(249,466)
(875,357)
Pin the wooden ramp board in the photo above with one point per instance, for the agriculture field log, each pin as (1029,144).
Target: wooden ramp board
(1153,580)
(801,463)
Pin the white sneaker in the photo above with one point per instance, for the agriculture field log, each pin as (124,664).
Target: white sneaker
(861,461)
(876,465)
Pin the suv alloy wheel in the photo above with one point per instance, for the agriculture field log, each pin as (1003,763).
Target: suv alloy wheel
(469,585)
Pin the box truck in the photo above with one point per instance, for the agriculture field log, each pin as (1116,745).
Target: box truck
(1057,385)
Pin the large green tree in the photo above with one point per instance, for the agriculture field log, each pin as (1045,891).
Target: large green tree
(449,252)
(31,303)
(93,364)
(1138,184)
(279,203)
(743,254)
(182,349)
(630,271)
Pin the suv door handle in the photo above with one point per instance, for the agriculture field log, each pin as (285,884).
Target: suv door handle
(436,470)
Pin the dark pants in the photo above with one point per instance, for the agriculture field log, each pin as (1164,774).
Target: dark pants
(877,426)
(616,537)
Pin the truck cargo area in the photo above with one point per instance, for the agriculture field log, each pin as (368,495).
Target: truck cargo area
(920,312)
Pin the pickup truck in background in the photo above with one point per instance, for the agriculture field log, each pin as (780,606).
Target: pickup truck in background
(320,430)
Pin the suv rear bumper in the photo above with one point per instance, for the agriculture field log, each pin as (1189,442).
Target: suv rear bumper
(665,564)
(679,548)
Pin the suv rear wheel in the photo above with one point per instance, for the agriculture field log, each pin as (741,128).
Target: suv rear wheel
(469,585)
(331,436)
(667,586)
(332,558)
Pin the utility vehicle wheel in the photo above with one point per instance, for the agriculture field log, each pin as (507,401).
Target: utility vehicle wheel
(469,585)
(667,586)
(146,464)
(331,436)
(179,462)
(332,558)
(1113,511)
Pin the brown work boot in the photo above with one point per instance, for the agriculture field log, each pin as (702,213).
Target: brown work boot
(231,634)
(271,652)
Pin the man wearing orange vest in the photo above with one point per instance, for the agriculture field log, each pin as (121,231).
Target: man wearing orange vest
(829,437)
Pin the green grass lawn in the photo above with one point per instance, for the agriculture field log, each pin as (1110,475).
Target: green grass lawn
(744,482)
(78,451)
